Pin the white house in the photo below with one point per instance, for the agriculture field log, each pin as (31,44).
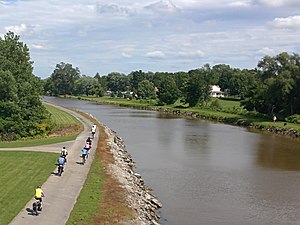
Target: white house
(216,91)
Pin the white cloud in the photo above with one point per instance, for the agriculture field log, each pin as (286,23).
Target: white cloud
(18,29)
(162,6)
(37,46)
(279,3)
(267,51)
(113,9)
(155,54)
(288,22)
(126,55)
(192,54)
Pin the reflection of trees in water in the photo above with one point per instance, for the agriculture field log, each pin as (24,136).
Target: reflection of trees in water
(278,152)
(196,137)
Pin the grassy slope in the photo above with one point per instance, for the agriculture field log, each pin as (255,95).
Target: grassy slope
(21,173)
(67,128)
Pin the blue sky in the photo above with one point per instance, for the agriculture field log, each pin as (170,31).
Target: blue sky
(151,35)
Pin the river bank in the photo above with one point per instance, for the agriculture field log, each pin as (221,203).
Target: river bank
(264,124)
(137,194)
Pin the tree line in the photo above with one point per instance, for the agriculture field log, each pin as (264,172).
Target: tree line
(273,87)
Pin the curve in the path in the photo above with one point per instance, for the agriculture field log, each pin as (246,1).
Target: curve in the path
(61,192)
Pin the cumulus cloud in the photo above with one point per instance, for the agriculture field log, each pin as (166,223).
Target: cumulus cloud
(192,54)
(18,29)
(37,46)
(267,51)
(155,54)
(279,3)
(126,55)
(113,9)
(162,6)
(287,22)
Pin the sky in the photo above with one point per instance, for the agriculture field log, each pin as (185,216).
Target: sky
(151,35)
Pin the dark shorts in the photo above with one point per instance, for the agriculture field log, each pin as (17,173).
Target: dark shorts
(40,199)
(83,155)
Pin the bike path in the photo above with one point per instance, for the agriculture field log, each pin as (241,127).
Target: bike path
(61,192)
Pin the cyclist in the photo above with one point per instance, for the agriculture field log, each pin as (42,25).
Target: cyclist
(83,155)
(39,194)
(64,153)
(60,163)
(94,127)
(89,140)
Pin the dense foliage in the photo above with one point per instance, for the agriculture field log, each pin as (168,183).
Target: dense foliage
(271,88)
(21,111)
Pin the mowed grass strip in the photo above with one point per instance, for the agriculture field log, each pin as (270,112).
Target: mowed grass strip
(21,172)
(88,202)
(60,117)
(66,125)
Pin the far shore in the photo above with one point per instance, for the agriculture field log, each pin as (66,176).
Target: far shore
(263,124)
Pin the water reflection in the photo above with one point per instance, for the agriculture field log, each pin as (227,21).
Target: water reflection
(276,152)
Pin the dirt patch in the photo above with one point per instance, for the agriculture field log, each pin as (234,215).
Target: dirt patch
(113,207)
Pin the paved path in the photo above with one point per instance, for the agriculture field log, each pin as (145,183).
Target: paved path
(61,192)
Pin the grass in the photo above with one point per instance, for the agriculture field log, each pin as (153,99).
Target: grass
(67,127)
(90,196)
(226,111)
(61,118)
(21,173)
(101,200)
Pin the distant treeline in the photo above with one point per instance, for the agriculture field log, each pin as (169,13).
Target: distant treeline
(273,87)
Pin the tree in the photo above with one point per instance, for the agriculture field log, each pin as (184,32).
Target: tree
(278,89)
(88,86)
(168,92)
(21,111)
(117,82)
(62,80)
(146,90)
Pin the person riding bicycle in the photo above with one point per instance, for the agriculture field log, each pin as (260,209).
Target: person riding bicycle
(61,162)
(84,154)
(94,127)
(89,140)
(39,194)
(64,153)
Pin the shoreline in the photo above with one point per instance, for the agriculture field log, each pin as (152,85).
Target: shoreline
(138,195)
(283,130)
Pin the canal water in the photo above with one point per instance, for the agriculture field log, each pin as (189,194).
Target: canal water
(204,172)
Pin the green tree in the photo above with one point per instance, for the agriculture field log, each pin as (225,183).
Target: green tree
(146,90)
(117,82)
(168,92)
(21,111)
(62,80)
(88,86)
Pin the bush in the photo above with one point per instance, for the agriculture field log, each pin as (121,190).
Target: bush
(293,119)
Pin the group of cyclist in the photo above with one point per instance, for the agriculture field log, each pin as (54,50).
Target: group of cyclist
(61,161)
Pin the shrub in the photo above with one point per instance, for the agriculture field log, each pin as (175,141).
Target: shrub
(293,119)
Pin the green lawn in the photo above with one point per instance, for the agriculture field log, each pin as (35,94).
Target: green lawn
(20,174)
(61,119)
(90,196)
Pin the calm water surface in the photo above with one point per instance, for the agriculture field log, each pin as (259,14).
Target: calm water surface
(208,173)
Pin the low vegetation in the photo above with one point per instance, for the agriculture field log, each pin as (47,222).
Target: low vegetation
(66,128)
(222,110)
(21,173)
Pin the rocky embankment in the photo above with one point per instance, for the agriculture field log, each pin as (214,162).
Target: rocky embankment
(139,197)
